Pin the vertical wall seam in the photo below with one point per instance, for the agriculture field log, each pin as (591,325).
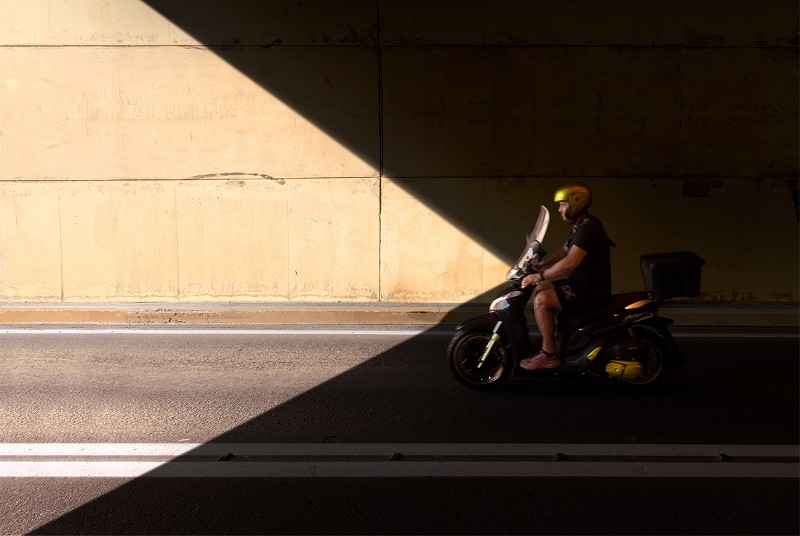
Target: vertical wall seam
(177,242)
(678,170)
(379,53)
(535,110)
(288,245)
(485,238)
(61,246)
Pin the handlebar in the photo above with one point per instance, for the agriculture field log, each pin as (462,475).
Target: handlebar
(517,283)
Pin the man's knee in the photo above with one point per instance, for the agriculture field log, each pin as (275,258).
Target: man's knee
(546,299)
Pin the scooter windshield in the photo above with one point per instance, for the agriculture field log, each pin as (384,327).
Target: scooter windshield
(535,238)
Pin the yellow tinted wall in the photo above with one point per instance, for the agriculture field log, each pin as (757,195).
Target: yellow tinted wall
(386,151)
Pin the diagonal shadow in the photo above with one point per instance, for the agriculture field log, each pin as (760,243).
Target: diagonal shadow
(320,57)
(406,395)
(371,402)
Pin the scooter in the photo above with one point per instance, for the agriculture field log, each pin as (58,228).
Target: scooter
(625,341)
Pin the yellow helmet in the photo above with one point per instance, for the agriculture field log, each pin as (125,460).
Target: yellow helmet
(578,197)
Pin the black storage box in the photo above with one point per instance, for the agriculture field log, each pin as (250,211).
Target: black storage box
(672,275)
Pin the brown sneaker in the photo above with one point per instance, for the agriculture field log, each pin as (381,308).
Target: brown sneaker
(542,360)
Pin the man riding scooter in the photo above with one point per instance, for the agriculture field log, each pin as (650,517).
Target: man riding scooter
(583,263)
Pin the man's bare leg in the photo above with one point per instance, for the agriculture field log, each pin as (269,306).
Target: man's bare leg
(545,306)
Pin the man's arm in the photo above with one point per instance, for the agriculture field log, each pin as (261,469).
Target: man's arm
(565,265)
(551,258)
(568,263)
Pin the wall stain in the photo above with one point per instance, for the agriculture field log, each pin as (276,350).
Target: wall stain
(236,174)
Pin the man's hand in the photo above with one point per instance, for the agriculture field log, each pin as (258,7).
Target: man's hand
(531,279)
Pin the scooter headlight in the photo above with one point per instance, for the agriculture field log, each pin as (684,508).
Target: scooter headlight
(499,304)
(503,301)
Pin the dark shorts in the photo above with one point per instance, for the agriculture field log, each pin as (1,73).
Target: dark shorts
(574,298)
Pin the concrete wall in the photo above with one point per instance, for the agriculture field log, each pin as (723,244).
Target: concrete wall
(173,150)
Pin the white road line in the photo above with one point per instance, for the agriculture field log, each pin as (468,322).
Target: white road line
(221,331)
(739,335)
(388,449)
(396,460)
(401,469)
(334,332)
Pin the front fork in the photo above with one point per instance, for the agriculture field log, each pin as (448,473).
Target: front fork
(489,345)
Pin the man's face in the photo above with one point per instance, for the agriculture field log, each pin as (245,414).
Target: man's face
(562,209)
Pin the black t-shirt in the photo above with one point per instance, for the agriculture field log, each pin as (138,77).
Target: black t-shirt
(593,274)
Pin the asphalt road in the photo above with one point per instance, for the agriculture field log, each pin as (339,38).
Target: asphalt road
(355,432)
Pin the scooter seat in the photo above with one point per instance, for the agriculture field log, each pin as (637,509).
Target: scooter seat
(616,303)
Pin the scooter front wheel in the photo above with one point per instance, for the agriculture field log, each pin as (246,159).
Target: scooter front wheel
(466,356)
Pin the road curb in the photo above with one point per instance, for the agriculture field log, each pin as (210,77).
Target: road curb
(684,314)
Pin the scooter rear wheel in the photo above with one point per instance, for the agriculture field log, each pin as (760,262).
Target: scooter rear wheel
(464,354)
(655,358)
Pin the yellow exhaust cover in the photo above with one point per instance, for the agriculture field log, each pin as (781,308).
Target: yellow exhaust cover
(627,370)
